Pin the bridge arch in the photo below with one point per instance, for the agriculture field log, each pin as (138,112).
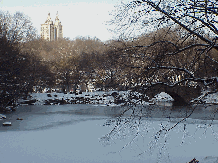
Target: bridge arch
(178,100)
(182,95)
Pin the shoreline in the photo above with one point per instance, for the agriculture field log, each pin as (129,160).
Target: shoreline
(117,98)
(107,98)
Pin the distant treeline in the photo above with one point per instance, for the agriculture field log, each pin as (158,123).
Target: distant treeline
(27,60)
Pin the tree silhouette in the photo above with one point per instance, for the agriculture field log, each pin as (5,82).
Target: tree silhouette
(183,45)
(16,67)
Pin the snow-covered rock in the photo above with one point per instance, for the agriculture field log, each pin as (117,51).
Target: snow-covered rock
(2,116)
(6,124)
(162,97)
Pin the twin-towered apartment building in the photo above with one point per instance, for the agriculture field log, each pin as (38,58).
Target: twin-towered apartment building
(51,31)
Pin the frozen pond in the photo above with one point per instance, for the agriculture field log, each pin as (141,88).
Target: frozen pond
(91,133)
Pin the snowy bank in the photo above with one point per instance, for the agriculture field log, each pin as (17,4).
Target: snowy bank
(110,98)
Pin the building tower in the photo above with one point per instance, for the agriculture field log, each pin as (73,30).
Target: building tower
(58,32)
(50,31)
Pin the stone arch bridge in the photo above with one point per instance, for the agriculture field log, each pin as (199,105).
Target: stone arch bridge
(182,95)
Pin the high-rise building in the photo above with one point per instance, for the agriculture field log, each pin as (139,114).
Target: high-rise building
(50,31)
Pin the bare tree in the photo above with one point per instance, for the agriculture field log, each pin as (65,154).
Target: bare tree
(196,30)
(17,27)
(178,48)
(196,17)
(16,70)
(16,75)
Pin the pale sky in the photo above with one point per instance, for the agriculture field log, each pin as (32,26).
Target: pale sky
(78,17)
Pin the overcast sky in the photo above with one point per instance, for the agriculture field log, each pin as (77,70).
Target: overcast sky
(78,17)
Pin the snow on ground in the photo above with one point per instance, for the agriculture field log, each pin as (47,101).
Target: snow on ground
(107,98)
(95,97)
(98,97)
(211,98)
(162,97)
